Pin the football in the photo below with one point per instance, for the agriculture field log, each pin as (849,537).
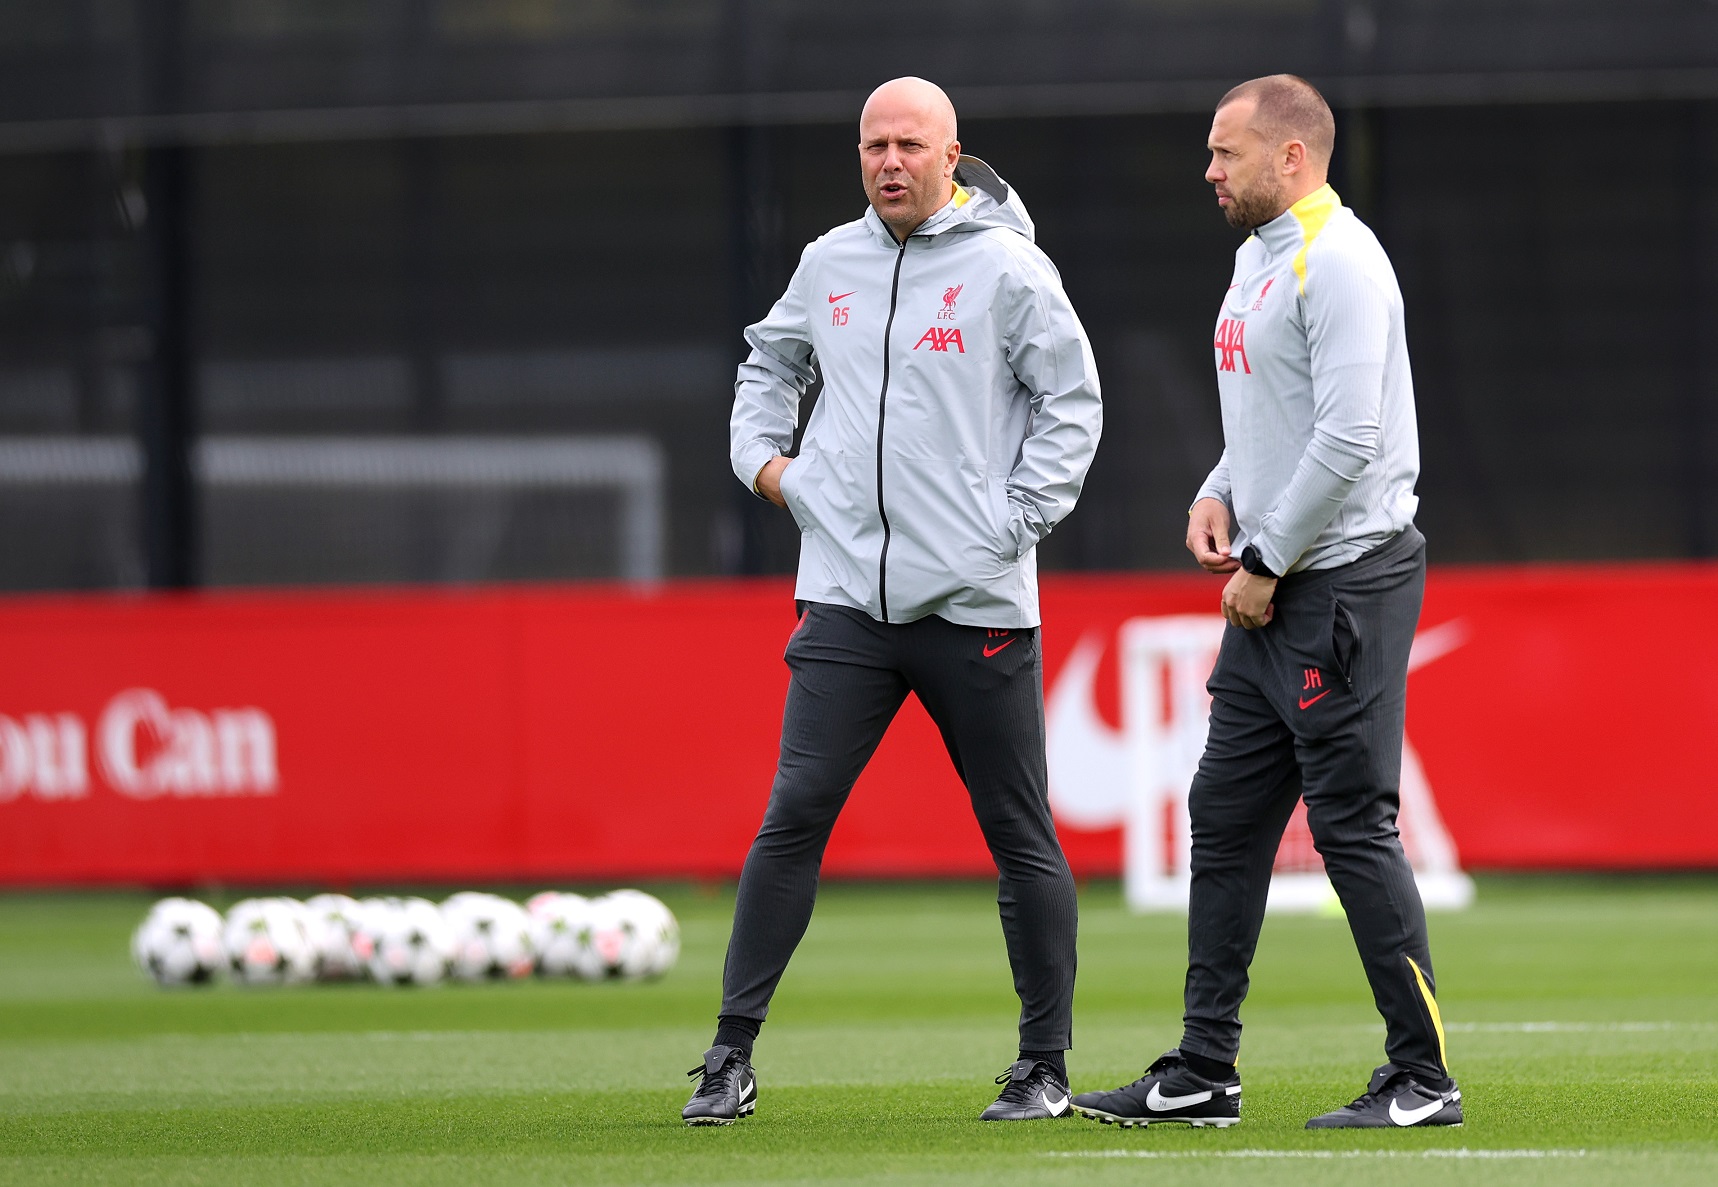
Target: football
(267,944)
(491,937)
(656,933)
(560,932)
(342,950)
(410,942)
(613,945)
(179,942)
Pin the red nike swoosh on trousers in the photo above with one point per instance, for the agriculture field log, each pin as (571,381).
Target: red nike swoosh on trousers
(833,298)
(990,651)
(1304,702)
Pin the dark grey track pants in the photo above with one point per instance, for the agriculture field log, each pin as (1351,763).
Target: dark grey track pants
(1311,706)
(984,690)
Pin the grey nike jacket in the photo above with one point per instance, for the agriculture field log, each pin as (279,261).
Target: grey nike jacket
(959,412)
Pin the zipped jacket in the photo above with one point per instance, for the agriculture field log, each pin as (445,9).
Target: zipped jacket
(1321,450)
(959,412)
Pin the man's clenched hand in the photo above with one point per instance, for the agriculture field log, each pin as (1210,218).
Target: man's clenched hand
(1247,600)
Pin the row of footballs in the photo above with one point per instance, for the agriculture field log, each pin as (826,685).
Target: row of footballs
(408,941)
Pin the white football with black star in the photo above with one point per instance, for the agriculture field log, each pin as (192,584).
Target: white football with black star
(342,950)
(655,942)
(179,942)
(410,941)
(491,937)
(267,944)
(560,926)
(617,941)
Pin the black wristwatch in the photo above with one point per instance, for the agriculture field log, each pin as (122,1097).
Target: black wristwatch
(1253,563)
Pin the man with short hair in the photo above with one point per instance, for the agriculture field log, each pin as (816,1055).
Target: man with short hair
(1316,489)
(959,414)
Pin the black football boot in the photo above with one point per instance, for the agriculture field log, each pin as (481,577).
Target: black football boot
(1169,1091)
(1395,1100)
(1031,1091)
(727,1088)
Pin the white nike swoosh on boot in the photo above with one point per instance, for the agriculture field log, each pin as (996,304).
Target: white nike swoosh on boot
(1058,1107)
(1159,1103)
(746,1092)
(1403,1116)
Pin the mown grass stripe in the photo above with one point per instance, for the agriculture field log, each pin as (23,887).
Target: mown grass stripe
(1458,1152)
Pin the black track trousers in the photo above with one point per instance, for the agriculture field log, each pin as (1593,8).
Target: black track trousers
(984,690)
(1311,706)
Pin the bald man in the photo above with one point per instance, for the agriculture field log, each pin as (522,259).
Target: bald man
(958,415)
(1310,511)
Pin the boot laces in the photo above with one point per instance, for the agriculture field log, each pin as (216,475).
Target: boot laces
(717,1082)
(1157,1065)
(1370,1098)
(1018,1092)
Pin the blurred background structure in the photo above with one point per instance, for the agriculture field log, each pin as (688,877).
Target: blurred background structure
(299,291)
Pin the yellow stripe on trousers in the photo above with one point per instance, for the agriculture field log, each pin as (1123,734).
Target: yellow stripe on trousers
(1432,1009)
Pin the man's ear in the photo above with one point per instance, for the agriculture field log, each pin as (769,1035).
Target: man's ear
(1294,157)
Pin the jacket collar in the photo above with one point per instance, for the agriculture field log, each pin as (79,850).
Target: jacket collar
(939,221)
(981,201)
(1300,224)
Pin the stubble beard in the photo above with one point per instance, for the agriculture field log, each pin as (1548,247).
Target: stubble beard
(1251,210)
(900,222)
(903,221)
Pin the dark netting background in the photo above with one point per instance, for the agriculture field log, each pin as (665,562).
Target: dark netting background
(547,220)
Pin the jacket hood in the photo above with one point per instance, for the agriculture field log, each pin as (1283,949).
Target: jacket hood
(994,205)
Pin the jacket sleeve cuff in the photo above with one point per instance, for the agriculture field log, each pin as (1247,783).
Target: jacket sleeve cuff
(1208,491)
(749,459)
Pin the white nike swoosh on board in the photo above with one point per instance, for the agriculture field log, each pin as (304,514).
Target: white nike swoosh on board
(1158,1103)
(1058,1107)
(1403,1116)
(746,1092)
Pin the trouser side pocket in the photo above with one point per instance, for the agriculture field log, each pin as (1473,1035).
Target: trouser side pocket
(1344,641)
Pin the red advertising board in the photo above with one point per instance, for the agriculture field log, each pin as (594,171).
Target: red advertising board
(599,733)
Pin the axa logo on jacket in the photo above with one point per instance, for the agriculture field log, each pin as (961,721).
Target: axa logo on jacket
(941,339)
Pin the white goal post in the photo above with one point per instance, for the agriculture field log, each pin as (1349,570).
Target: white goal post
(632,466)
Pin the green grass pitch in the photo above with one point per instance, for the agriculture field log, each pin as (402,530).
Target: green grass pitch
(1583,1019)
